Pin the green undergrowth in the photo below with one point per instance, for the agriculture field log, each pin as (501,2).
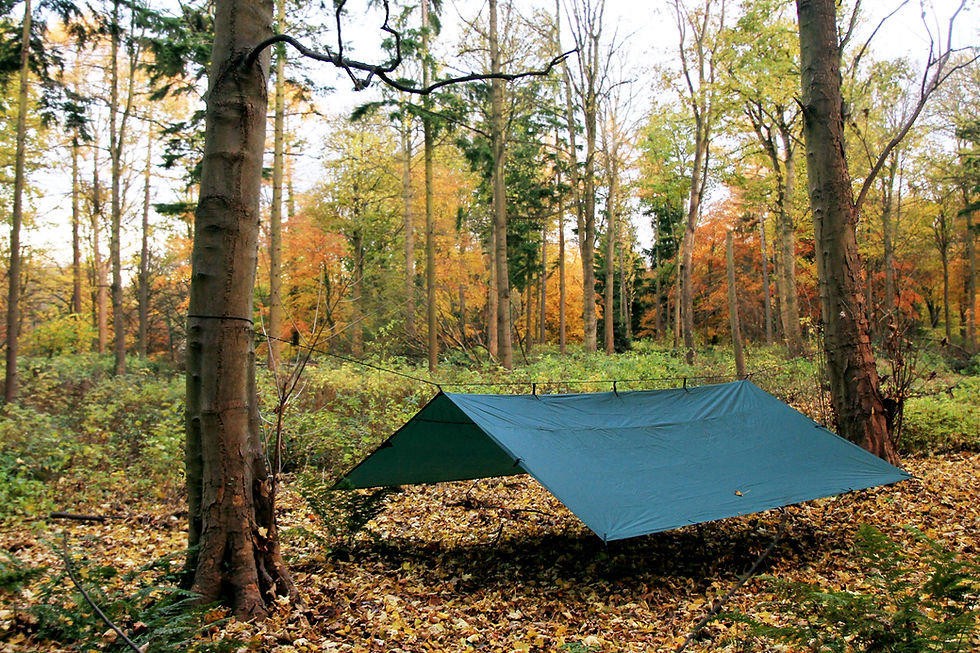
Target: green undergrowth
(81,438)
(905,600)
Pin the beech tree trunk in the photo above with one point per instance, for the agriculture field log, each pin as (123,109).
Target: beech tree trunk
(275,211)
(888,237)
(789,311)
(20,161)
(430,229)
(971,284)
(504,332)
(101,303)
(117,140)
(143,288)
(234,546)
(76,219)
(493,341)
(561,266)
(854,383)
(733,306)
(543,288)
(608,310)
(767,297)
(409,225)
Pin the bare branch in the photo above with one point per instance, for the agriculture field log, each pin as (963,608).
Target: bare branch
(381,71)
(851,25)
(934,75)
(867,43)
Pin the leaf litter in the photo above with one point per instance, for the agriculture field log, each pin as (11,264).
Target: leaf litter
(501,565)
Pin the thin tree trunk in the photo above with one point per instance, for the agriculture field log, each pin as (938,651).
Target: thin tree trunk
(101,281)
(116,141)
(733,306)
(887,238)
(529,314)
(561,273)
(493,342)
(789,310)
(409,226)
(462,316)
(677,308)
(76,219)
(944,255)
(543,294)
(20,160)
(687,242)
(608,309)
(588,239)
(971,285)
(430,244)
(144,273)
(504,335)
(233,551)
(357,319)
(275,211)
(854,382)
(765,280)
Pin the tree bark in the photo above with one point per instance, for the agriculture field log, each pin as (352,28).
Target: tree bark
(233,541)
(543,287)
(854,382)
(789,311)
(101,282)
(497,138)
(888,236)
(767,296)
(76,220)
(733,306)
(117,137)
(561,267)
(971,284)
(608,309)
(357,318)
(10,389)
(275,211)
(409,226)
(144,273)
(430,229)
(493,341)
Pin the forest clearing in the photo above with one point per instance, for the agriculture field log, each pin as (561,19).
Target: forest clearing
(495,564)
(715,292)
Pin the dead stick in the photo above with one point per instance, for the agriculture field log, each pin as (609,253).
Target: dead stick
(69,515)
(720,603)
(88,599)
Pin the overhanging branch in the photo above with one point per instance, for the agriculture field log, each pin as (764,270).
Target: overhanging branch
(381,70)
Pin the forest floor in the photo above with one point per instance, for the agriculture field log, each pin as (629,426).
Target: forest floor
(500,565)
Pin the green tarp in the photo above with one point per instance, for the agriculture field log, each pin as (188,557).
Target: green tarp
(632,463)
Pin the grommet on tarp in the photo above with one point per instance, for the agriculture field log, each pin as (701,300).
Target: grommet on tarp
(517,461)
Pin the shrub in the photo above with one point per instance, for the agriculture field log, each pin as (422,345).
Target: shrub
(344,512)
(34,453)
(145,604)
(943,422)
(925,600)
